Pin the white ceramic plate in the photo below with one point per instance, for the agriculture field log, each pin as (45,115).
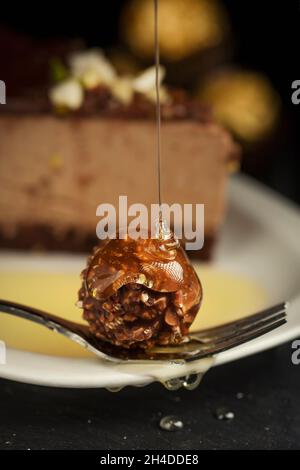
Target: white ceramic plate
(260,239)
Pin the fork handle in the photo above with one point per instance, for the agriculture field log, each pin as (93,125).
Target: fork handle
(35,315)
(76,332)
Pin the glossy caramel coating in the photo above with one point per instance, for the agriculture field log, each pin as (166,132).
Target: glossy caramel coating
(140,293)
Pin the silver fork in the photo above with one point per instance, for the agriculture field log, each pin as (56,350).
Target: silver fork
(197,345)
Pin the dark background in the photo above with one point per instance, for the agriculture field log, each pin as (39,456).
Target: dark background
(266,39)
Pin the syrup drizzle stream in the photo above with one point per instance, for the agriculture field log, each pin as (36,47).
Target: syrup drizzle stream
(158,115)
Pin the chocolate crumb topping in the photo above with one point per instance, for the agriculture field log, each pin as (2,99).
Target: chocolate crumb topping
(100,102)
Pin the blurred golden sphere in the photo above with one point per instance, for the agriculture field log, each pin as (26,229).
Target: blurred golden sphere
(185,27)
(245,102)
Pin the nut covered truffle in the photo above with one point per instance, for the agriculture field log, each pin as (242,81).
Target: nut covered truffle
(140,293)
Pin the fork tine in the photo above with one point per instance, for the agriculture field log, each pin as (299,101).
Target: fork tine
(238,324)
(196,349)
(234,332)
(232,342)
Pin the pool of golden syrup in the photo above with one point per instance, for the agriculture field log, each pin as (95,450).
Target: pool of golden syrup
(227,296)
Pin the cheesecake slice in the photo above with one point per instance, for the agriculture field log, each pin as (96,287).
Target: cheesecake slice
(57,167)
